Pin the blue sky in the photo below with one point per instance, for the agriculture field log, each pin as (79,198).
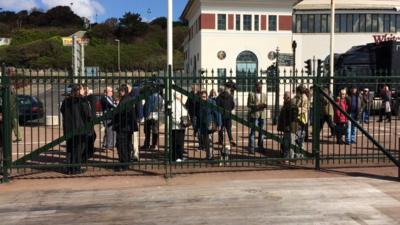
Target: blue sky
(158,8)
(101,9)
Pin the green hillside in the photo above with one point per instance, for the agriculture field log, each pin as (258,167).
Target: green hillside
(37,43)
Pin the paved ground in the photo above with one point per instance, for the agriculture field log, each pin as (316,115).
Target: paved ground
(266,197)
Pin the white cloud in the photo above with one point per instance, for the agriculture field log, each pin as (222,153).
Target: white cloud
(84,8)
(17,4)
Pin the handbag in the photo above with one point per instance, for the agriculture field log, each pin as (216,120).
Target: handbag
(387,107)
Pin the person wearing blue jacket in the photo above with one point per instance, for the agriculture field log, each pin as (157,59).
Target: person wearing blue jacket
(209,122)
(151,111)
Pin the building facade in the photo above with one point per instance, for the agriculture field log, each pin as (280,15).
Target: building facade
(235,38)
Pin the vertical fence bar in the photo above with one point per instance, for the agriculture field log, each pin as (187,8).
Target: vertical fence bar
(316,121)
(168,121)
(7,155)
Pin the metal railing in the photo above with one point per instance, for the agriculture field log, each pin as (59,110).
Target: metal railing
(31,101)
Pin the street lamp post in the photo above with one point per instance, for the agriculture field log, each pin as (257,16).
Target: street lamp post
(294,46)
(119,54)
(276,113)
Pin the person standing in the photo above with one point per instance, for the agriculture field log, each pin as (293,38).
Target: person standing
(386,107)
(354,110)
(75,114)
(14,114)
(288,124)
(91,100)
(107,105)
(152,108)
(327,113)
(192,107)
(180,122)
(302,103)
(339,118)
(366,103)
(135,93)
(257,103)
(209,122)
(225,101)
(125,123)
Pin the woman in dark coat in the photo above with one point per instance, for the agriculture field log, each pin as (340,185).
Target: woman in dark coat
(124,124)
(76,113)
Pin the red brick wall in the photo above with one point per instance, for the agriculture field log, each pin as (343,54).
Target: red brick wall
(263,22)
(207,21)
(285,22)
(230,22)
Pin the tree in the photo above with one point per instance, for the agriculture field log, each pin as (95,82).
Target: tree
(63,16)
(160,21)
(131,26)
(102,31)
(112,22)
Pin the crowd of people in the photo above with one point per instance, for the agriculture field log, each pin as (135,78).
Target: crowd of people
(294,119)
(123,115)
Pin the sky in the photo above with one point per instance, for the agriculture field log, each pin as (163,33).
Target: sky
(100,10)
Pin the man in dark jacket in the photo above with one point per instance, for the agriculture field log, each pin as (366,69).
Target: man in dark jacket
(192,107)
(225,101)
(76,112)
(125,123)
(288,124)
(354,110)
(91,100)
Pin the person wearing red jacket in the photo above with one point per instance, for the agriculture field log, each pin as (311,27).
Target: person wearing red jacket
(339,118)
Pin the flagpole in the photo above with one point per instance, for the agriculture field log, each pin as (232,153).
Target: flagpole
(170,43)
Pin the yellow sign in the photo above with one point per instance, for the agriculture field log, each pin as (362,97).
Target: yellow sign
(67,41)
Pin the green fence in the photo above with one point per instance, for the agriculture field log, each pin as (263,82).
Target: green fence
(34,141)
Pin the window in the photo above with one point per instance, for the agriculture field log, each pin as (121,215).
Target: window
(272,23)
(221,72)
(380,23)
(337,23)
(298,24)
(237,22)
(356,23)
(311,23)
(317,23)
(398,23)
(221,22)
(368,23)
(324,23)
(256,22)
(343,23)
(304,24)
(374,23)
(386,23)
(349,26)
(362,22)
(392,23)
(246,67)
(246,22)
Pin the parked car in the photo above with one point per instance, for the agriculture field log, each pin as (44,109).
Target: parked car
(29,108)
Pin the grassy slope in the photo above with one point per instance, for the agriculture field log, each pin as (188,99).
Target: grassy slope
(43,48)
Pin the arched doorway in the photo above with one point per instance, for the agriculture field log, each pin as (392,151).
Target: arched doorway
(246,67)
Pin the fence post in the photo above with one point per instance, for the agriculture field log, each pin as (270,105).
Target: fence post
(5,83)
(168,121)
(276,110)
(316,121)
